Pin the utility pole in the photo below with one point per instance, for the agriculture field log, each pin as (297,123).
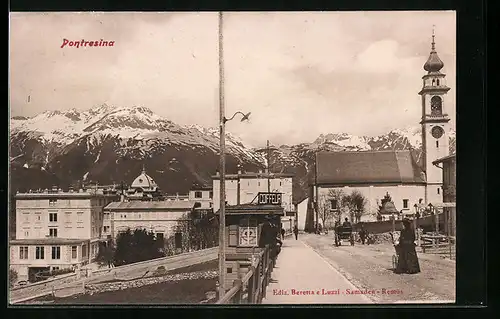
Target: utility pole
(316,190)
(268,168)
(222,209)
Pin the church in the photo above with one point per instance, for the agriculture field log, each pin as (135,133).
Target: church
(397,174)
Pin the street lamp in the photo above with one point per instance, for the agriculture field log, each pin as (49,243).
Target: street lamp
(222,209)
(245,117)
(222,134)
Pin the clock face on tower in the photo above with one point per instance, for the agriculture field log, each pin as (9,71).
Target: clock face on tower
(437,131)
(247,236)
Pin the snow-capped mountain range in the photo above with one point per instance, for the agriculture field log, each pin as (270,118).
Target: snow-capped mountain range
(108,144)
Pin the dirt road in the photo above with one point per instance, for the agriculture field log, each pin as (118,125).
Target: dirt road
(370,267)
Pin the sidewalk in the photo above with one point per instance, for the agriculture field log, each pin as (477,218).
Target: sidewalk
(301,276)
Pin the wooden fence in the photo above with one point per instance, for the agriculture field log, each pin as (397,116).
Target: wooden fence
(251,289)
(438,244)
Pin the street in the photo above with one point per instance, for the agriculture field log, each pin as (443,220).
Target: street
(369,267)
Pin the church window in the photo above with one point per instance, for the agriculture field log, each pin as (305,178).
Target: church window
(437,143)
(437,82)
(405,203)
(334,204)
(438,190)
(433,82)
(197,194)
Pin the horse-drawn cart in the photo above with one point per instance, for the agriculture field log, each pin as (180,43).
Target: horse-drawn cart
(344,233)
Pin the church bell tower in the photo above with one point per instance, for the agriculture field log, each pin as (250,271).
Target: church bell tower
(435,123)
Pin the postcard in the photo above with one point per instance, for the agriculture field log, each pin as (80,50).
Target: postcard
(204,158)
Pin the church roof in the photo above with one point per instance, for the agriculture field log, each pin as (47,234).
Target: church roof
(144,181)
(370,167)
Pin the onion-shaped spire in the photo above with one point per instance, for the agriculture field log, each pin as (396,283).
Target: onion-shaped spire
(434,63)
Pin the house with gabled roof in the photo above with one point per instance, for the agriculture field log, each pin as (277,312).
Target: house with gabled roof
(373,174)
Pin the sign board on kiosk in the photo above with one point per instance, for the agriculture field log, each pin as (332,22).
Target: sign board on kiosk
(269,198)
(244,228)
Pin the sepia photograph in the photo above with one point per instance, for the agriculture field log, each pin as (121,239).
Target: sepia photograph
(204,158)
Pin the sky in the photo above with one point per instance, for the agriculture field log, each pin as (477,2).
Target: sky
(300,74)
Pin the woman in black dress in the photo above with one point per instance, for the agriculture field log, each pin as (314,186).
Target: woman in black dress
(408,260)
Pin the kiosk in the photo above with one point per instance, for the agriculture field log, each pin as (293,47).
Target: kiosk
(243,231)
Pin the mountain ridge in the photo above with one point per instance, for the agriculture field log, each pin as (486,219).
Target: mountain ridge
(107,144)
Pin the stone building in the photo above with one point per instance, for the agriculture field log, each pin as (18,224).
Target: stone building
(160,217)
(57,229)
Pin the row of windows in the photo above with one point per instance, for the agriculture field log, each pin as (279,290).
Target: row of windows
(40,252)
(434,81)
(199,194)
(100,202)
(53,217)
(145,215)
(53,232)
(258,183)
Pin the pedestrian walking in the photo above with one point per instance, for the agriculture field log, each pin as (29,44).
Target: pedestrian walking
(407,255)
(296,232)
(270,236)
(362,234)
(282,233)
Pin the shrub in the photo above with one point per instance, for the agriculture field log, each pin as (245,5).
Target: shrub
(160,271)
(61,271)
(136,246)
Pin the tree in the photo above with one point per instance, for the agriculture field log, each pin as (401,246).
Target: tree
(12,277)
(359,203)
(106,254)
(338,196)
(136,246)
(324,207)
(356,203)
(199,231)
